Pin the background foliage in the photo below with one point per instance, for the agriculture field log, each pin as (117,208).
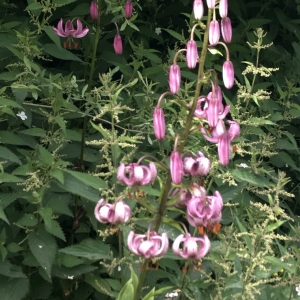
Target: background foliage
(50,243)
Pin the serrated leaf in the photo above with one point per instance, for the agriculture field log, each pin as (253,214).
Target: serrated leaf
(34,6)
(39,288)
(58,205)
(46,214)
(175,34)
(43,247)
(100,128)
(50,32)
(58,174)
(90,249)
(4,177)
(3,216)
(60,53)
(69,261)
(114,284)
(88,179)
(34,132)
(13,288)
(77,187)
(149,191)
(61,123)
(230,192)
(28,220)
(9,155)
(277,262)
(46,157)
(14,248)
(55,230)
(273,226)
(245,175)
(9,270)
(245,237)
(11,139)
(70,273)
(98,284)
(8,102)
(8,198)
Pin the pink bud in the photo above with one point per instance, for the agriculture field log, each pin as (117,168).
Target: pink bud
(128,9)
(198,166)
(174,79)
(118,46)
(198,9)
(159,123)
(223,8)
(211,3)
(191,54)
(94,10)
(226,29)
(176,167)
(214,32)
(234,130)
(228,74)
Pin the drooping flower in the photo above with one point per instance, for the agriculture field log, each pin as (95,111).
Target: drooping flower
(211,3)
(198,166)
(128,9)
(205,211)
(223,137)
(118,46)
(159,123)
(182,195)
(134,174)
(174,79)
(192,247)
(148,245)
(176,167)
(94,10)
(22,115)
(223,8)
(228,74)
(118,213)
(226,30)
(198,9)
(191,54)
(69,30)
(214,32)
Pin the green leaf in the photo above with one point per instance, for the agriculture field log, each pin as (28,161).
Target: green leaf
(175,34)
(46,157)
(245,237)
(70,273)
(98,284)
(11,139)
(273,226)
(50,32)
(14,248)
(43,248)
(34,6)
(88,179)
(46,214)
(13,288)
(59,205)
(8,198)
(34,132)
(61,123)
(277,262)
(135,280)
(9,155)
(8,102)
(150,295)
(3,216)
(149,190)
(103,131)
(9,270)
(230,192)
(28,220)
(245,175)
(56,230)
(58,174)
(127,291)
(90,249)
(9,178)
(60,53)
(77,187)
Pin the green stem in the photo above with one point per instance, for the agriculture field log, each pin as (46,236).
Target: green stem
(96,40)
(188,125)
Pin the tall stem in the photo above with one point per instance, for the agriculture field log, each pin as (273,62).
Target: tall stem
(187,128)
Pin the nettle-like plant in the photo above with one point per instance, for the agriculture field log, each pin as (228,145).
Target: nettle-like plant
(70,138)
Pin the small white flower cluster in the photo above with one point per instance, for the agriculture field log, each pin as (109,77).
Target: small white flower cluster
(298,289)
(243,166)
(22,115)
(158,30)
(172,295)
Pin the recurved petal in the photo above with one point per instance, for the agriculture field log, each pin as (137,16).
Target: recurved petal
(204,246)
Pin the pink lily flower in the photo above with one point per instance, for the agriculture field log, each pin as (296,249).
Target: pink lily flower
(211,3)
(191,54)
(223,8)
(118,213)
(228,74)
(198,9)
(176,167)
(192,247)
(70,31)
(214,32)
(226,30)
(150,245)
(134,174)
(94,10)
(128,9)
(118,46)
(199,166)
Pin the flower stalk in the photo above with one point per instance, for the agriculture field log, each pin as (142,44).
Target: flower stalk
(188,125)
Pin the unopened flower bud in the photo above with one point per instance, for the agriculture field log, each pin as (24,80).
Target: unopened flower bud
(211,3)
(176,167)
(198,9)
(174,79)
(159,123)
(118,46)
(128,9)
(228,74)
(199,166)
(226,29)
(191,54)
(214,32)
(223,8)
(94,10)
